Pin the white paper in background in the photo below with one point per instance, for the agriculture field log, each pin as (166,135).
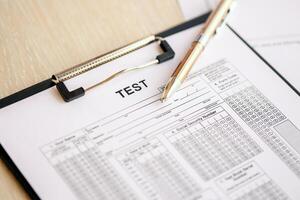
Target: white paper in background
(272,27)
(194,8)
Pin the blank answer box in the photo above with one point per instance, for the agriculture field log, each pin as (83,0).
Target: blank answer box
(290,133)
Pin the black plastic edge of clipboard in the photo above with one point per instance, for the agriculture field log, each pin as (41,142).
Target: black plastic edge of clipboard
(185,25)
(46,84)
(18,175)
(25,93)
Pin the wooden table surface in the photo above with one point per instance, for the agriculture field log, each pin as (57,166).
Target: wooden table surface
(41,38)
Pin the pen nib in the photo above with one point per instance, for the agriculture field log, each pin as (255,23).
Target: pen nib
(171,87)
(163,99)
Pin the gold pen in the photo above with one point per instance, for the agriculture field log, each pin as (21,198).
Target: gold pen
(215,20)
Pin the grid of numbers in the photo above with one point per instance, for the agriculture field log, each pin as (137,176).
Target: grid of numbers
(157,172)
(259,113)
(214,145)
(266,191)
(88,172)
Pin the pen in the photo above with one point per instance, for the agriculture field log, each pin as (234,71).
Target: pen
(215,19)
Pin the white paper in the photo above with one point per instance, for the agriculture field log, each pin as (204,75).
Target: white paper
(226,134)
(193,8)
(272,27)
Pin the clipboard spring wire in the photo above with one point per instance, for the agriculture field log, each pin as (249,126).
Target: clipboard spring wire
(129,69)
(68,96)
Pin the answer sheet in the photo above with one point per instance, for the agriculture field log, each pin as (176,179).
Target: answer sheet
(230,132)
(272,27)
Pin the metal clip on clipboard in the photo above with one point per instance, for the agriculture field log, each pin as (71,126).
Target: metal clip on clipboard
(68,96)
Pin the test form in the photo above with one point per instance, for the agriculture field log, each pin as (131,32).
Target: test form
(230,132)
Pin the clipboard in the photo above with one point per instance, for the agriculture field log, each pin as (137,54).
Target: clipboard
(49,83)
(46,84)
(69,73)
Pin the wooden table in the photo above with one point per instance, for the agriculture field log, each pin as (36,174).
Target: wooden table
(41,38)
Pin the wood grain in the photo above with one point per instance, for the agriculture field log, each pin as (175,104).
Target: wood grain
(41,38)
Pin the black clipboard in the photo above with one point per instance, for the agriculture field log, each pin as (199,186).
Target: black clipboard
(46,84)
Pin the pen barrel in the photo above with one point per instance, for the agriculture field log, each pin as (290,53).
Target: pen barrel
(215,20)
(188,61)
(210,28)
